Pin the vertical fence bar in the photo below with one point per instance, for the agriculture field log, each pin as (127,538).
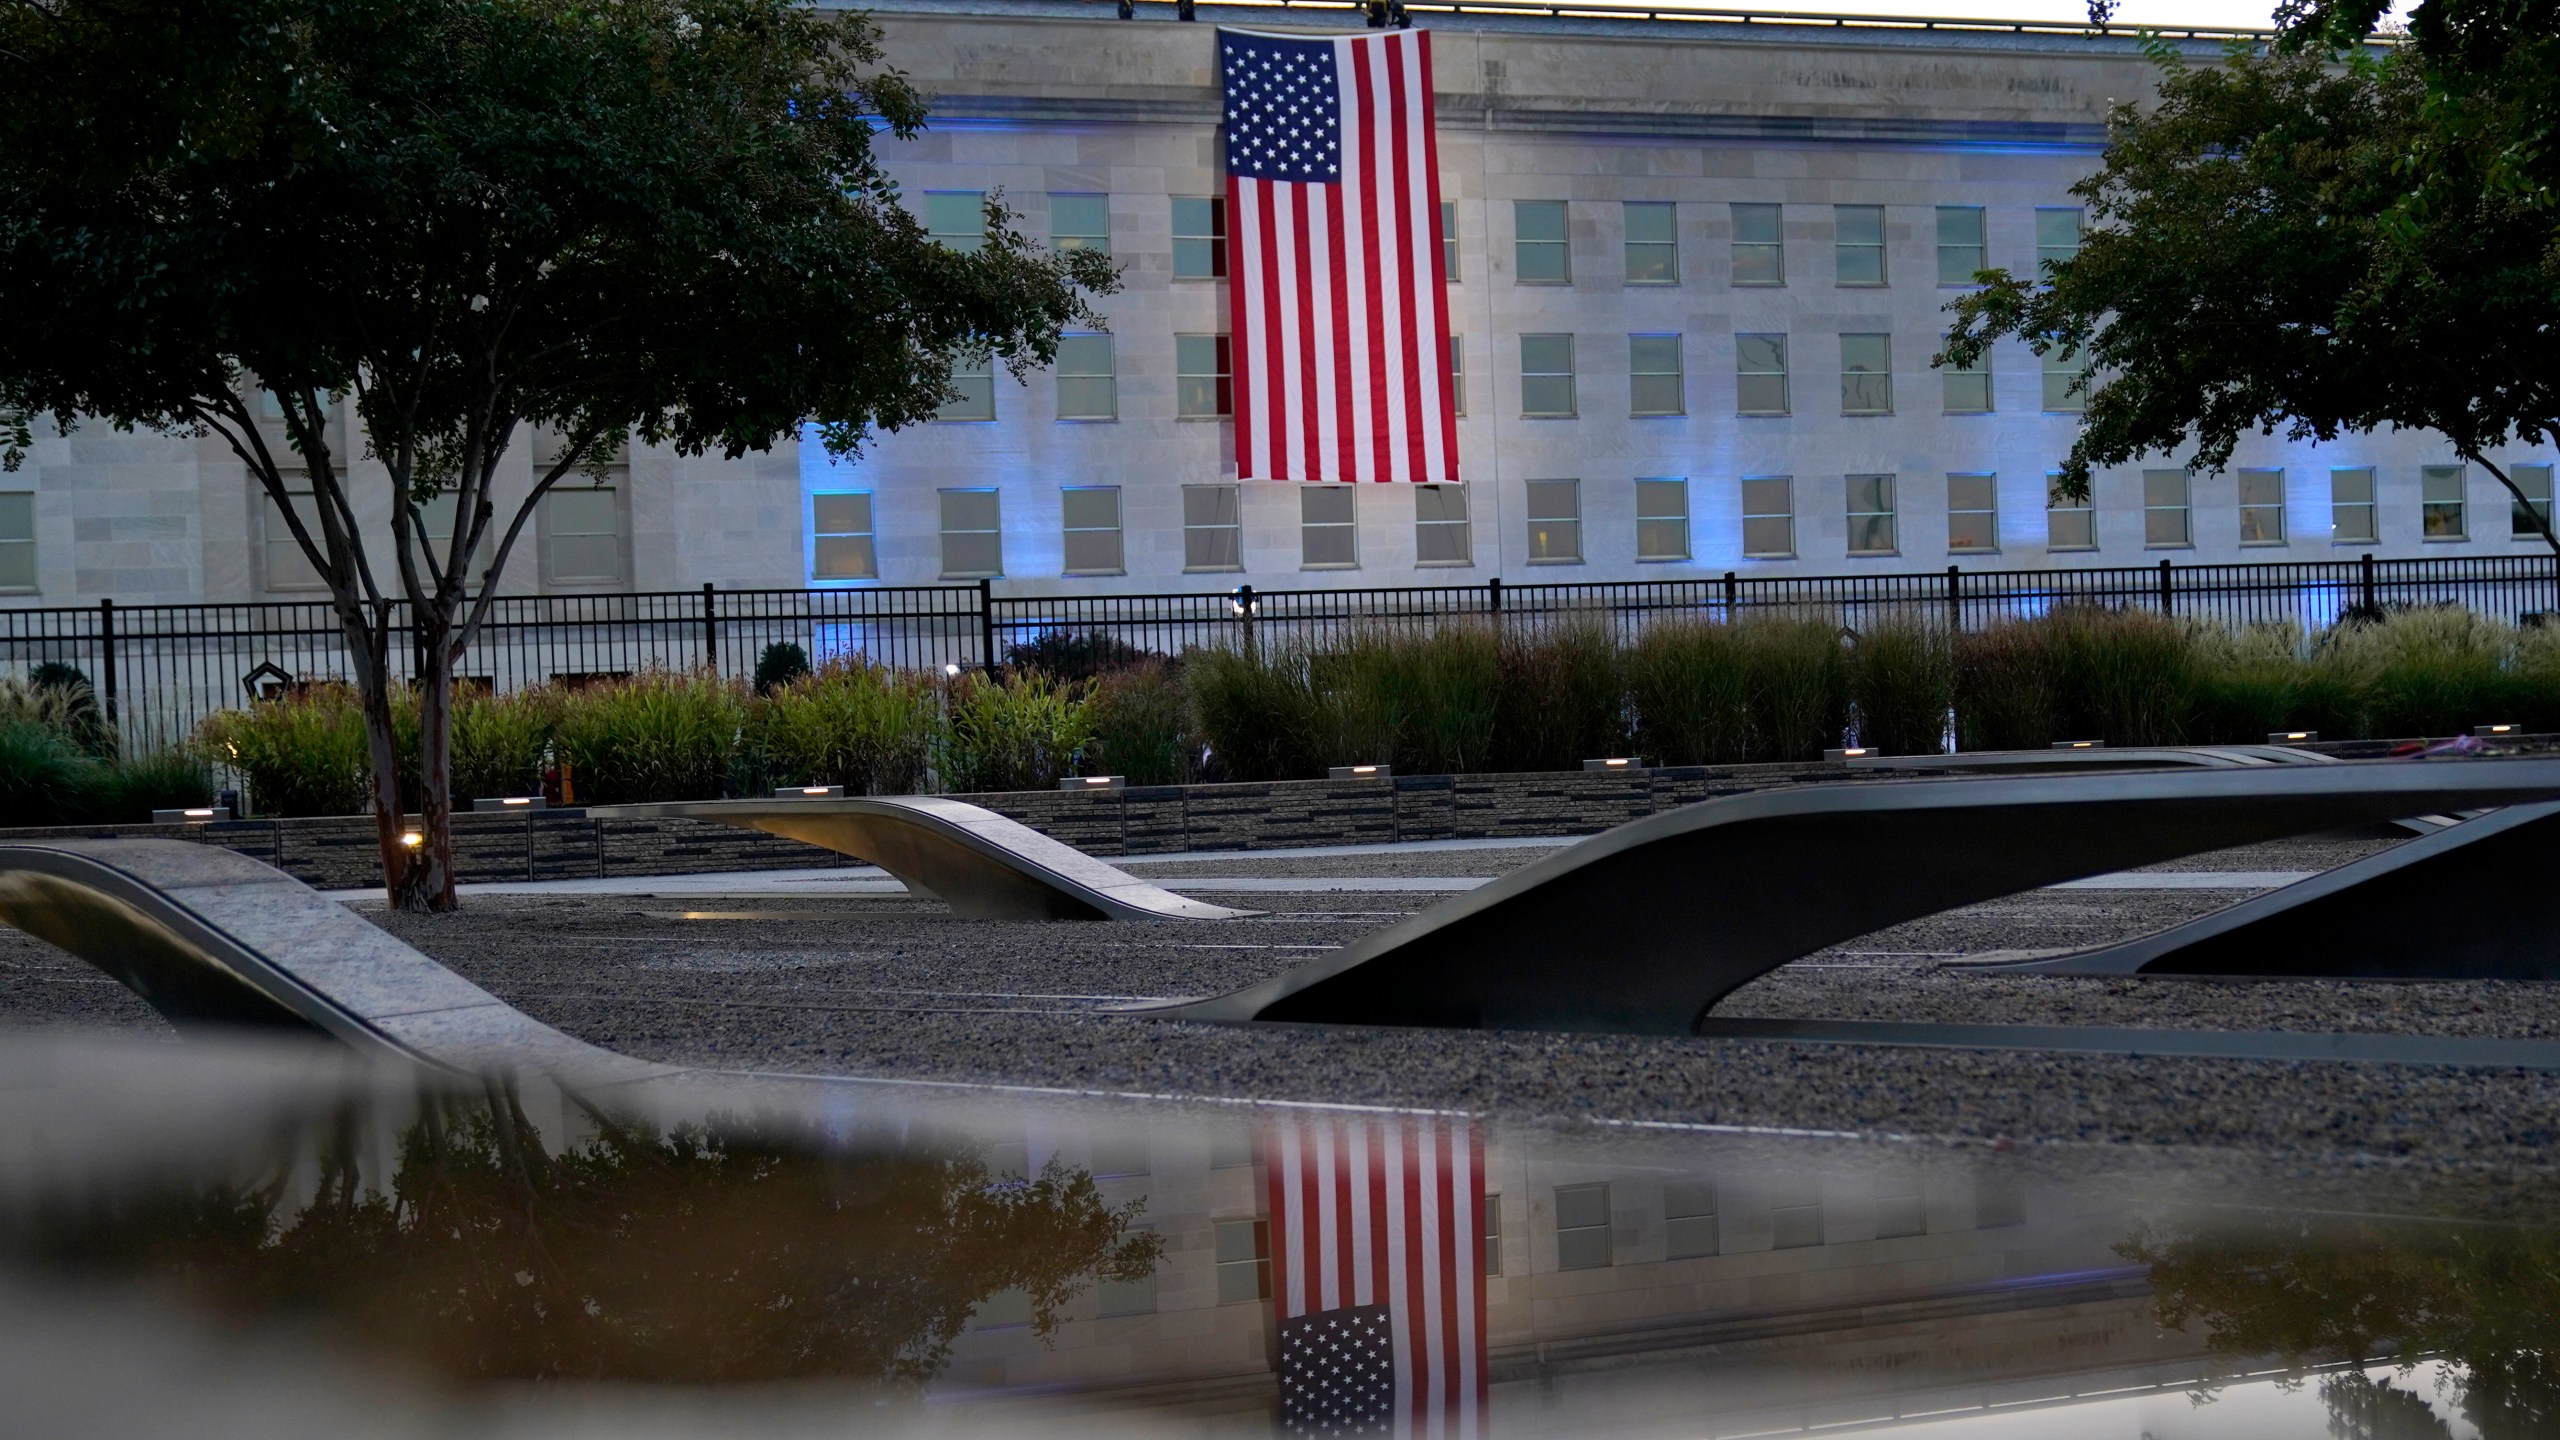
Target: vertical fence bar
(107,656)
(987,624)
(2164,587)
(2369,602)
(710,631)
(1955,599)
(1493,595)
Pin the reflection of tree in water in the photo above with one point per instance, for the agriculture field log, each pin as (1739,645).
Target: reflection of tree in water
(731,1251)
(2312,1290)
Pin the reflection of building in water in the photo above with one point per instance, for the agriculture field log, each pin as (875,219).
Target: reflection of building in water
(1719,1288)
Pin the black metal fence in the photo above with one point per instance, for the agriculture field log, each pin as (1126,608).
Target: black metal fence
(162,668)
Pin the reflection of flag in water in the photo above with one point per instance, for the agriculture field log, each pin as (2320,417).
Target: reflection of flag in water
(1386,1212)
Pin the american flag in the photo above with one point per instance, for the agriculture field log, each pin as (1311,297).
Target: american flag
(1341,325)
(1385,1212)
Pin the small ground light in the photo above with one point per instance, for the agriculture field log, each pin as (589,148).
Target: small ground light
(1851,752)
(1614,762)
(2488,730)
(2291,737)
(413,839)
(809,792)
(503,803)
(951,669)
(198,815)
(1094,782)
(1359,772)
(2079,744)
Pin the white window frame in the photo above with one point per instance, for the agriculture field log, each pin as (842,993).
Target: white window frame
(1954,381)
(2159,510)
(1062,239)
(275,538)
(1667,249)
(2081,515)
(2050,220)
(1655,526)
(946,530)
(2432,510)
(1189,379)
(973,390)
(1212,529)
(1685,1205)
(2060,370)
(1642,367)
(1069,498)
(1449,241)
(1882,490)
(1108,376)
(868,535)
(1866,389)
(1961,505)
(1591,1246)
(1773,249)
(1571,387)
(1188,240)
(1742,375)
(1243,1270)
(1328,512)
(1557,250)
(2535,482)
(942,209)
(2360,477)
(18,552)
(1444,530)
(1845,250)
(1555,529)
(616,487)
(1954,271)
(2262,520)
(1458,374)
(1787,489)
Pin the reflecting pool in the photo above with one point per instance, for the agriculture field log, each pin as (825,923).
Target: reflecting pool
(213,1239)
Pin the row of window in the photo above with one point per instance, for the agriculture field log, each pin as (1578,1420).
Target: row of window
(845,543)
(1088,387)
(1542,237)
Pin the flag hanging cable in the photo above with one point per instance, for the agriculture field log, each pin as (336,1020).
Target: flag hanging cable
(1334,262)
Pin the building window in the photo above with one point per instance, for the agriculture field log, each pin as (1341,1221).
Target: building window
(1199,237)
(1116,1298)
(1871,527)
(1546,375)
(2000,1203)
(1866,374)
(1902,1209)
(2525,519)
(1653,242)
(1768,517)
(1328,527)
(1960,247)
(1760,374)
(972,535)
(17,540)
(1555,522)
(1203,377)
(2068,524)
(2164,510)
(1973,515)
(1244,1261)
(287,567)
(1449,241)
(2440,503)
(956,218)
(1966,389)
(1795,1216)
(1662,519)
(2261,507)
(1655,385)
(2062,371)
(1542,253)
(1493,1234)
(582,536)
(2351,507)
(973,389)
(1458,374)
(2057,238)
(1582,1228)
(1689,1220)
(1092,515)
(1086,389)
(1212,527)
(1857,244)
(1441,534)
(1004,1310)
(843,544)
(1759,245)
(1080,222)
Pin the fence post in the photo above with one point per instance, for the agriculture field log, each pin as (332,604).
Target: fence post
(987,623)
(1732,596)
(107,656)
(1955,600)
(1493,589)
(2164,587)
(2367,568)
(710,632)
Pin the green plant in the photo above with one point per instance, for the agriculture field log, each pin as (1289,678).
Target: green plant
(125,790)
(43,780)
(1142,726)
(781,663)
(1792,675)
(659,735)
(1257,711)
(2005,687)
(1423,700)
(2436,671)
(2250,682)
(865,727)
(302,753)
(2127,677)
(1020,732)
(1563,695)
(1686,684)
(1074,655)
(1902,676)
(501,742)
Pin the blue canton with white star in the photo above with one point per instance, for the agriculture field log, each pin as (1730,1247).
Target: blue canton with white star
(1338,1374)
(1284,108)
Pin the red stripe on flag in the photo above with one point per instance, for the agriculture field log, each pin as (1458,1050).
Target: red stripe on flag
(1447,419)
(1364,129)
(1241,358)
(1410,437)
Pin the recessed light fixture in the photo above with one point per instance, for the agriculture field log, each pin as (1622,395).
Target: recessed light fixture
(502,803)
(1851,752)
(2485,730)
(192,815)
(2079,744)
(2291,737)
(809,792)
(1359,772)
(1094,782)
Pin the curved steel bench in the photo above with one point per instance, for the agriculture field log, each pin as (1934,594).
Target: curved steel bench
(2464,903)
(984,866)
(212,938)
(2140,757)
(1643,929)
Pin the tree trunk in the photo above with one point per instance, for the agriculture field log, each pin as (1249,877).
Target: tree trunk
(432,864)
(370,645)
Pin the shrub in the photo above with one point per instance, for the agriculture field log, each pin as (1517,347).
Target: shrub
(501,742)
(1686,682)
(659,735)
(1792,676)
(59,697)
(1257,712)
(2436,671)
(302,753)
(1063,655)
(1423,701)
(127,789)
(2127,677)
(2252,681)
(43,780)
(2006,682)
(1563,696)
(1142,726)
(1021,732)
(781,663)
(1901,674)
(865,727)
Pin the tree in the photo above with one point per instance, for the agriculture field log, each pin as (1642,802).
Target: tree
(2263,255)
(467,219)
